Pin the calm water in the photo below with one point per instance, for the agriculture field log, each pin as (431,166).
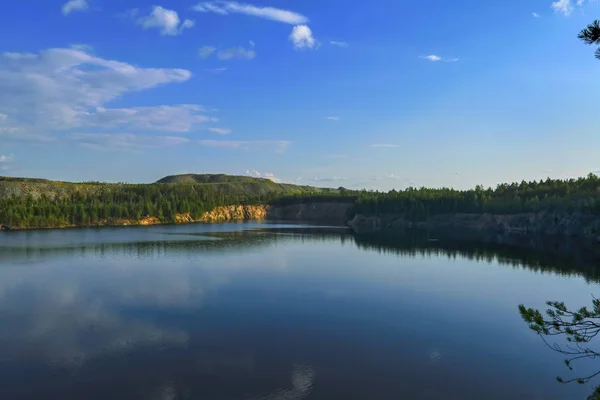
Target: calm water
(265,311)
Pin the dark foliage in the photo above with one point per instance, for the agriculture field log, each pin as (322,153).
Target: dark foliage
(124,201)
(591,35)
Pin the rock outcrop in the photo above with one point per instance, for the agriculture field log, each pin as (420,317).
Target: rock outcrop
(234,213)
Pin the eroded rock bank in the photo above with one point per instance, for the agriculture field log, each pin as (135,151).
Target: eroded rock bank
(574,225)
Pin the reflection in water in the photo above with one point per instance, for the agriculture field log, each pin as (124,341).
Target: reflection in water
(224,315)
(561,258)
(303,378)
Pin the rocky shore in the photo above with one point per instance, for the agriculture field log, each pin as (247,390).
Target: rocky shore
(528,225)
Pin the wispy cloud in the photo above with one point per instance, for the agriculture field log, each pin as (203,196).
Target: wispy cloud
(175,118)
(436,58)
(383,145)
(336,43)
(5,162)
(236,53)
(432,57)
(166,21)
(566,7)
(123,141)
(206,51)
(86,48)
(302,38)
(220,131)
(276,145)
(334,118)
(536,15)
(65,89)
(75,5)
(233,7)
(216,70)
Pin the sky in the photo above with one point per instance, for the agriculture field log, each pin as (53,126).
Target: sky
(375,95)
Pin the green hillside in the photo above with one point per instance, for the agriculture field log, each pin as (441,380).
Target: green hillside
(211,178)
(38,203)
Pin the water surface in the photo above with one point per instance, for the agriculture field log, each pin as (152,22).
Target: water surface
(274,311)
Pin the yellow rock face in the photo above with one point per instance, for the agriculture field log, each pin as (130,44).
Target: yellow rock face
(234,213)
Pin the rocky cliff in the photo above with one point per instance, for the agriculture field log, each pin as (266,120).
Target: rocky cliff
(577,225)
(234,213)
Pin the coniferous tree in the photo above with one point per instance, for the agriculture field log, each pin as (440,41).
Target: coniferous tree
(591,35)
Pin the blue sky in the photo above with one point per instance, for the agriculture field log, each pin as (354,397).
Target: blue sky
(327,93)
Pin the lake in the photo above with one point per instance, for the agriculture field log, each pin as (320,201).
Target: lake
(273,311)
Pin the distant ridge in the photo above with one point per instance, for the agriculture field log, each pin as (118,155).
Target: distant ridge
(211,178)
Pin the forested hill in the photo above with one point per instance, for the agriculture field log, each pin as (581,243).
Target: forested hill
(28,203)
(240,187)
(39,203)
(213,178)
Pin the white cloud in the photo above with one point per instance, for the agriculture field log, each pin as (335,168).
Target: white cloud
(333,118)
(336,43)
(216,70)
(269,175)
(432,57)
(167,21)
(233,7)
(123,141)
(206,51)
(436,58)
(82,47)
(188,23)
(302,38)
(75,5)
(238,53)
(220,131)
(536,15)
(175,118)
(564,7)
(5,162)
(276,145)
(384,145)
(62,89)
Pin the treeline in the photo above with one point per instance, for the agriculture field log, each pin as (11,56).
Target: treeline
(125,201)
(165,201)
(571,195)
